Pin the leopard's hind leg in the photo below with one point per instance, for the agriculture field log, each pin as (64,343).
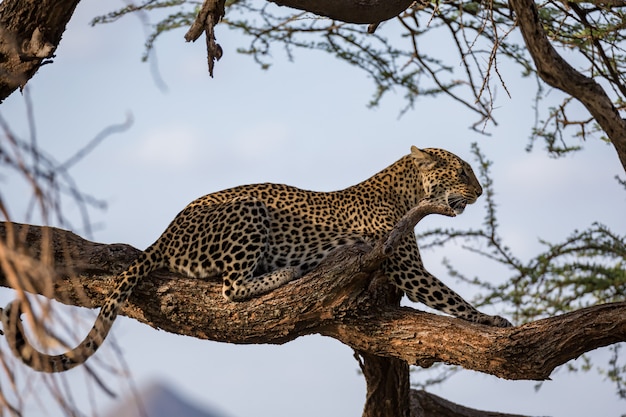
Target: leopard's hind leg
(243,251)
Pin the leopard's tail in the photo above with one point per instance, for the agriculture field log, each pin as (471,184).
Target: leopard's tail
(147,262)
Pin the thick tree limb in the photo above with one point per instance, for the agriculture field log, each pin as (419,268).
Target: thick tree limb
(30,31)
(426,404)
(556,72)
(345,298)
(341,299)
(351,11)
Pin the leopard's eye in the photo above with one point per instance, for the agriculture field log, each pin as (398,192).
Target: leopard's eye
(464,177)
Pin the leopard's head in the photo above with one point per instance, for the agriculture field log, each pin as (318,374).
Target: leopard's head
(446,178)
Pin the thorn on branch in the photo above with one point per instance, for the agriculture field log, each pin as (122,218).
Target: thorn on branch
(209,15)
(372,27)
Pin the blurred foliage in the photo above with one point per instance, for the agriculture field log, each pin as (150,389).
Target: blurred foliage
(411,54)
(52,197)
(47,183)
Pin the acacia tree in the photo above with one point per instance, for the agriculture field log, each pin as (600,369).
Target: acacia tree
(357,307)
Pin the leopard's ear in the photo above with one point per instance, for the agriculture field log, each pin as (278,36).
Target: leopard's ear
(422,158)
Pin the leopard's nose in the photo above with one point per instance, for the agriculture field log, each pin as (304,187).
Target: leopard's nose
(479,190)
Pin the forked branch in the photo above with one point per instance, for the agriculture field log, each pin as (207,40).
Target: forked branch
(558,73)
(211,12)
(365,12)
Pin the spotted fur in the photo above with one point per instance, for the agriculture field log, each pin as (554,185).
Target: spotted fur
(259,237)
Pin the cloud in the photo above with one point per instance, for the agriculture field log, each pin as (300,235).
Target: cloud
(172,146)
(264,138)
(587,174)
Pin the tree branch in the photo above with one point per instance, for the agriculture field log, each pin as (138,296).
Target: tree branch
(341,299)
(360,11)
(211,12)
(556,72)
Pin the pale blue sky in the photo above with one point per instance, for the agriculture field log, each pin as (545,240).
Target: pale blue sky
(304,123)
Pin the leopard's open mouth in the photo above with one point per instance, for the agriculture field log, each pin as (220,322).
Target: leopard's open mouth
(457,204)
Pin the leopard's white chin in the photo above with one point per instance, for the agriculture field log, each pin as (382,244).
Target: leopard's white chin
(457,204)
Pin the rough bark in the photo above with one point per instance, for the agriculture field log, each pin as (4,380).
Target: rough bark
(388,386)
(345,298)
(351,11)
(30,32)
(209,15)
(556,72)
(387,379)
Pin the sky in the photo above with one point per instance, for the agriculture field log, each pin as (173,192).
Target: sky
(305,123)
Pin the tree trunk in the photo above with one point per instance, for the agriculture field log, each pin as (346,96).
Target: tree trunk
(387,379)
(388,386)
(30,32)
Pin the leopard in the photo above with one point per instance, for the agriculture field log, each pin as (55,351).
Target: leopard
(256,238)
